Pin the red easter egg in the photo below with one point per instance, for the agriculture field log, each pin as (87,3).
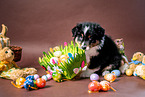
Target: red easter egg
(94,86)
(40,82)
(105,85)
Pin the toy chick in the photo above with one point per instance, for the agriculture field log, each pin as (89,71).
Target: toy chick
(136,60)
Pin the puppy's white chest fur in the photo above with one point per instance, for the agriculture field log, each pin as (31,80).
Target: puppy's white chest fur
(91,52)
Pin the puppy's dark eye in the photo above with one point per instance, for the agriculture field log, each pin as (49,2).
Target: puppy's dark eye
(6,52)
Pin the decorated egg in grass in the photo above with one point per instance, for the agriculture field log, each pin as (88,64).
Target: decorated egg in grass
(57,76)
(57,53)
(94,86)
(94,77)
(116,72)
(110,77)
(129,72)
(63,58)
(134,73)
(54,60)
(44,77)
(40,82)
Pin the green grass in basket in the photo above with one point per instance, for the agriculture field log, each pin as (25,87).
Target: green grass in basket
(66,66)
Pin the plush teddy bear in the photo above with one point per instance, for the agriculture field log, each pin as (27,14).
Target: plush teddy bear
(8,68)
(136,60)
(140,69)
(124,61)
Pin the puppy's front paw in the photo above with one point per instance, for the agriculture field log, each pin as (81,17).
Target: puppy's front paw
(86,73)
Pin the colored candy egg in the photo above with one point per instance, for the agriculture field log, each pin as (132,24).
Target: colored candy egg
(94,86)
(70,56)
(134,73)
(105,72)
(36,76)
(57,76)
(105,85)
(63,58)
(30,77)
(116,72)
(129,72)
(56,48)
(44,77)
(57,53)
(110,77)
(40,82)
(20,81)
(94,77)
(49,76)
(54,60)
(28,84)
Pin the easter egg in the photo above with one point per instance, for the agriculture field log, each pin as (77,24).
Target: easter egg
(40,82)
(20,81)
(49,76)
(57,76)
(57,53)
(70,55)
(110,77)
(134,73)
(116,72)
(105,85)
(63,58)
(54,60)
(56,48)
(30,77)
(36,76)
(28,84)
(94,86)
(129,72)
(105,72)
(44,77)
(94,77)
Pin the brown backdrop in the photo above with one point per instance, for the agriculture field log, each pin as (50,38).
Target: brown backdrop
(37,25)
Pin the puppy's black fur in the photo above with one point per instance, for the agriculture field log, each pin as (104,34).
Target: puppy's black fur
(88,33)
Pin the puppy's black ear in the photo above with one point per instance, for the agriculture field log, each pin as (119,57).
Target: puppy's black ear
(100,32)
(76,30)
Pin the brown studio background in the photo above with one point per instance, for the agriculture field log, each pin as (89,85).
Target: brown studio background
(37,25)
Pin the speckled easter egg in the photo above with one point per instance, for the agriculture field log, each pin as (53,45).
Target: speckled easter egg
(105,85)
(20,81)
(40,82)
(94,77)
(94,86)
(36,76)
(116,72)
(110,77)
(44,77)
(49,76)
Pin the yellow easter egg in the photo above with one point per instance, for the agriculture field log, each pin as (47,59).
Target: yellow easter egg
(20,81)
(129,72)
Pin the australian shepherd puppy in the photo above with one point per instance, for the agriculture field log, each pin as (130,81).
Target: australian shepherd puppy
(101,52)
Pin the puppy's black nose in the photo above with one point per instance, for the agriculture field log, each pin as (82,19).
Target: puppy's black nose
(83,47)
